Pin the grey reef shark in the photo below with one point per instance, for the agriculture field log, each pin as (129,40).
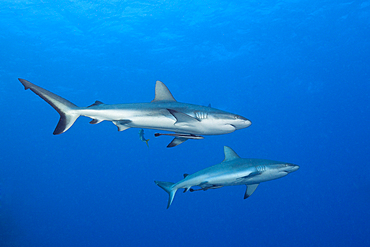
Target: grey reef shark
(233,170)
(164,113)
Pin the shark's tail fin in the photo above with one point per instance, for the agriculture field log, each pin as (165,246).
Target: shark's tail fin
(66,109)
(168,187)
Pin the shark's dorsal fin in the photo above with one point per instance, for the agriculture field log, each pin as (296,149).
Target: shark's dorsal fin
(162,93)
(185,175)
(230,154)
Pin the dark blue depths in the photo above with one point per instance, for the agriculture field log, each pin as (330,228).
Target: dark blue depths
(299,70)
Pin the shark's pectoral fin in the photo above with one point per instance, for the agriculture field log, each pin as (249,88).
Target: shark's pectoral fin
(252,174)
(176,141)
(122,124)
(182,118)
(250,189)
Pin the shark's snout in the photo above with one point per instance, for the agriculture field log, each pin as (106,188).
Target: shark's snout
(292,167)
(241,122)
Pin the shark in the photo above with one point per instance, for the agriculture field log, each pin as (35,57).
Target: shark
(188,121)
(233,170)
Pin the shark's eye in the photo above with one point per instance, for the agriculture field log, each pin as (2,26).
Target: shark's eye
(236,116)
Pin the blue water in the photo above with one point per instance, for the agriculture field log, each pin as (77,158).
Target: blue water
(299,70)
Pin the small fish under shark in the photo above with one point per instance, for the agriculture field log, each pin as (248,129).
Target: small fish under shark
(142,138)
(188,121)
(233,170)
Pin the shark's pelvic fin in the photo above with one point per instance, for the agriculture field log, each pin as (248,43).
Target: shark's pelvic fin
(230,154)
(176,141)
(168,187)
(250,189)
(162,93)
(65,108)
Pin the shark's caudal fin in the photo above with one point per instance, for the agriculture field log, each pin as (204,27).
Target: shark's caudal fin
(167,186)
(65,108)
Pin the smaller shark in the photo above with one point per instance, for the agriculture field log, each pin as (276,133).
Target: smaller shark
(233,170)
(141,135)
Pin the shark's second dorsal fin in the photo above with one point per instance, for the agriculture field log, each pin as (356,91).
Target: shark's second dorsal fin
(162,93)
(96,103)
(230,154)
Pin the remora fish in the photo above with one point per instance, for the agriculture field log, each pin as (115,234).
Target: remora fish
(233,170)
(141,135)
(163,113)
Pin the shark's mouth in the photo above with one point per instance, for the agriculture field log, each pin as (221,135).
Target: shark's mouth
(283,172)
(235,128)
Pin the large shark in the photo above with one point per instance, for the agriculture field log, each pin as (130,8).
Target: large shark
(233,170)
(188,121)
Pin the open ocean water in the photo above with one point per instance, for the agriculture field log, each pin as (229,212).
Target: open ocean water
(299,70)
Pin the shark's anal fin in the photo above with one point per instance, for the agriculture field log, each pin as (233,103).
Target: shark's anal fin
(162,93)
(250,189)
(182,117)
(95,121)
(122,124)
